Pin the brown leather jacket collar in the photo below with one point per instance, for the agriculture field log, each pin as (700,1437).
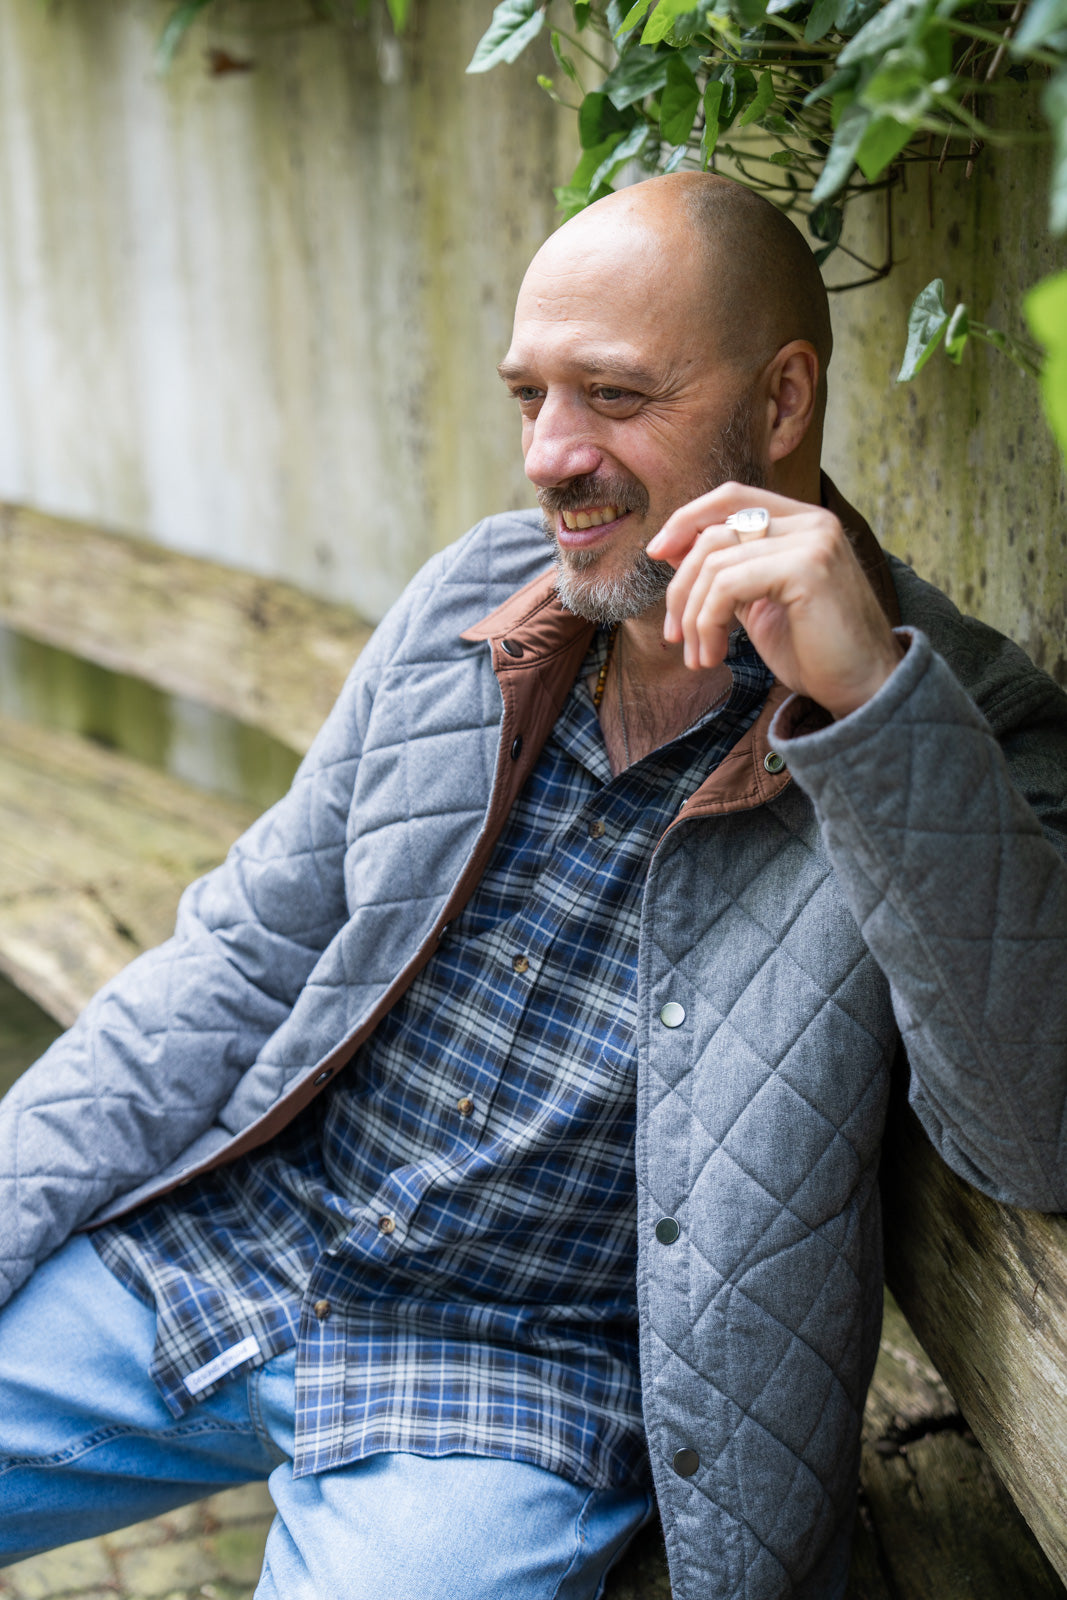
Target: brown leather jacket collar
(538,649)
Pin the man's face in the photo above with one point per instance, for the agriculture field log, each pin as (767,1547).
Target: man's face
(627,413)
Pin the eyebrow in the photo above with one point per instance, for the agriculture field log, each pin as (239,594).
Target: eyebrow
(622,368)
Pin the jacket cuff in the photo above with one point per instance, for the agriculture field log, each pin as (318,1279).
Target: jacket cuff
(803,734)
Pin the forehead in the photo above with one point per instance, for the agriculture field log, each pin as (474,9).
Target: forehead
(609,304)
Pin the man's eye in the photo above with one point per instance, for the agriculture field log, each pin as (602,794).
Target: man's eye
(526,394)
(607,391)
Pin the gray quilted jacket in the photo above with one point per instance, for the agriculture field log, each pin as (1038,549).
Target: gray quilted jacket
(891,877)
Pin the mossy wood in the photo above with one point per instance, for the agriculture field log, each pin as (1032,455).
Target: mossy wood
(985,1288)
(95,850)
(256,649)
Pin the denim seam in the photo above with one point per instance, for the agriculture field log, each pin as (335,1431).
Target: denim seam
(255,1411)
(92,1441)
(579,1541)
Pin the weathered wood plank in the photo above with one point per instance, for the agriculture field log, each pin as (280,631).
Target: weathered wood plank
(985,1288)
(256,649)
(935,1520)
(94,853)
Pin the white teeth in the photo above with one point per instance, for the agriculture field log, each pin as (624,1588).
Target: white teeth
(590,519)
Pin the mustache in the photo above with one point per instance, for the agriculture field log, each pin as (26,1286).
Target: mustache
(594,490)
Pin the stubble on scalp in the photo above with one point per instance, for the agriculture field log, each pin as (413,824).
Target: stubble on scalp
(609,599)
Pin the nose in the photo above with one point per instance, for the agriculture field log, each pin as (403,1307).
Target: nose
(557,445)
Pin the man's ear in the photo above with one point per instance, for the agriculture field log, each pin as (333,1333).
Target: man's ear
(792,393)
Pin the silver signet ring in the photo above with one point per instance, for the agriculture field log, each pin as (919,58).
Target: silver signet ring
(752,523)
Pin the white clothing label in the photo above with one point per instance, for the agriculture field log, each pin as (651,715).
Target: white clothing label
(221,1364)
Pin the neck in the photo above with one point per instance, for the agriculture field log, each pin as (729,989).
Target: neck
(660,696)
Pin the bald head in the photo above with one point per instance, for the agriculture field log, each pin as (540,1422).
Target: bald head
(753,280)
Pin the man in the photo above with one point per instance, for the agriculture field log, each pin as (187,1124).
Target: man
(584,934)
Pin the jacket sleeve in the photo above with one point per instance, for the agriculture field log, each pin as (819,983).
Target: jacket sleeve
(157,1051)
(948,831)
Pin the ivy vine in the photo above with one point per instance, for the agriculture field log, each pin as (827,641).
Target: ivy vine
(813,103)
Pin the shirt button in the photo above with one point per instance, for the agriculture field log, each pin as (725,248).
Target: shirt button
(386,1224)
(597,829)
(321,1309)
(667,1230)
(773,761)
(672,1015)
(465,1106)
(685,1463)
(520,963)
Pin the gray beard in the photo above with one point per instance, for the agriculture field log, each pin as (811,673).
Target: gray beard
(609,600)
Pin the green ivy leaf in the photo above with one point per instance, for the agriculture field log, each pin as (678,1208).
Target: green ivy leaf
(957,333)
(597,117)
(1046,312)
(837,83)
(782,158)
(632,17)
(399,11)
(1054,104)
(675,159)
(898,83)
(591,161)
(678,107)
(927,321)
(663,18)
(630,146)
(841,157)
(893,25)
(176,27)
(1042,21)
(738,88)
(710,134)
(639,72)
(825,222)
(883,139)
(820,20)
(515,24)
(852,15)
(749,13)
(763,101)
(582,9)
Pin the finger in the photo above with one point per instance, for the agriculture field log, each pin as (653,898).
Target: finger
(677,534)
(707,543)
(719,547)
(700,647)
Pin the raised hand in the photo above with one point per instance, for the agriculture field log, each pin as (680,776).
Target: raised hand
(798,590)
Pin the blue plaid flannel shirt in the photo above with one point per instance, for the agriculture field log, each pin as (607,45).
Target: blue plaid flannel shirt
(448,1235)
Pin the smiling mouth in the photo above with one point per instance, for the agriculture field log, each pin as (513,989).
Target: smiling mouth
(592,517)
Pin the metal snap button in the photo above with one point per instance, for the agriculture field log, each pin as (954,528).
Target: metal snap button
(516,749)
(672,1015)
(685,1463)
(773,761)
(513,647)
(326,1073)
(667,1230)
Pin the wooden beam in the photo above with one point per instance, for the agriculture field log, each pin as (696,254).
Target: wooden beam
(256,649)
(984,1287)
(95,851)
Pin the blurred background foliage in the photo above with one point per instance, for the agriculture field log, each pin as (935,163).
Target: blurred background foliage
(815,103)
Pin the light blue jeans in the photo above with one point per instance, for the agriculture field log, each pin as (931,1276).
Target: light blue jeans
(87,1445)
